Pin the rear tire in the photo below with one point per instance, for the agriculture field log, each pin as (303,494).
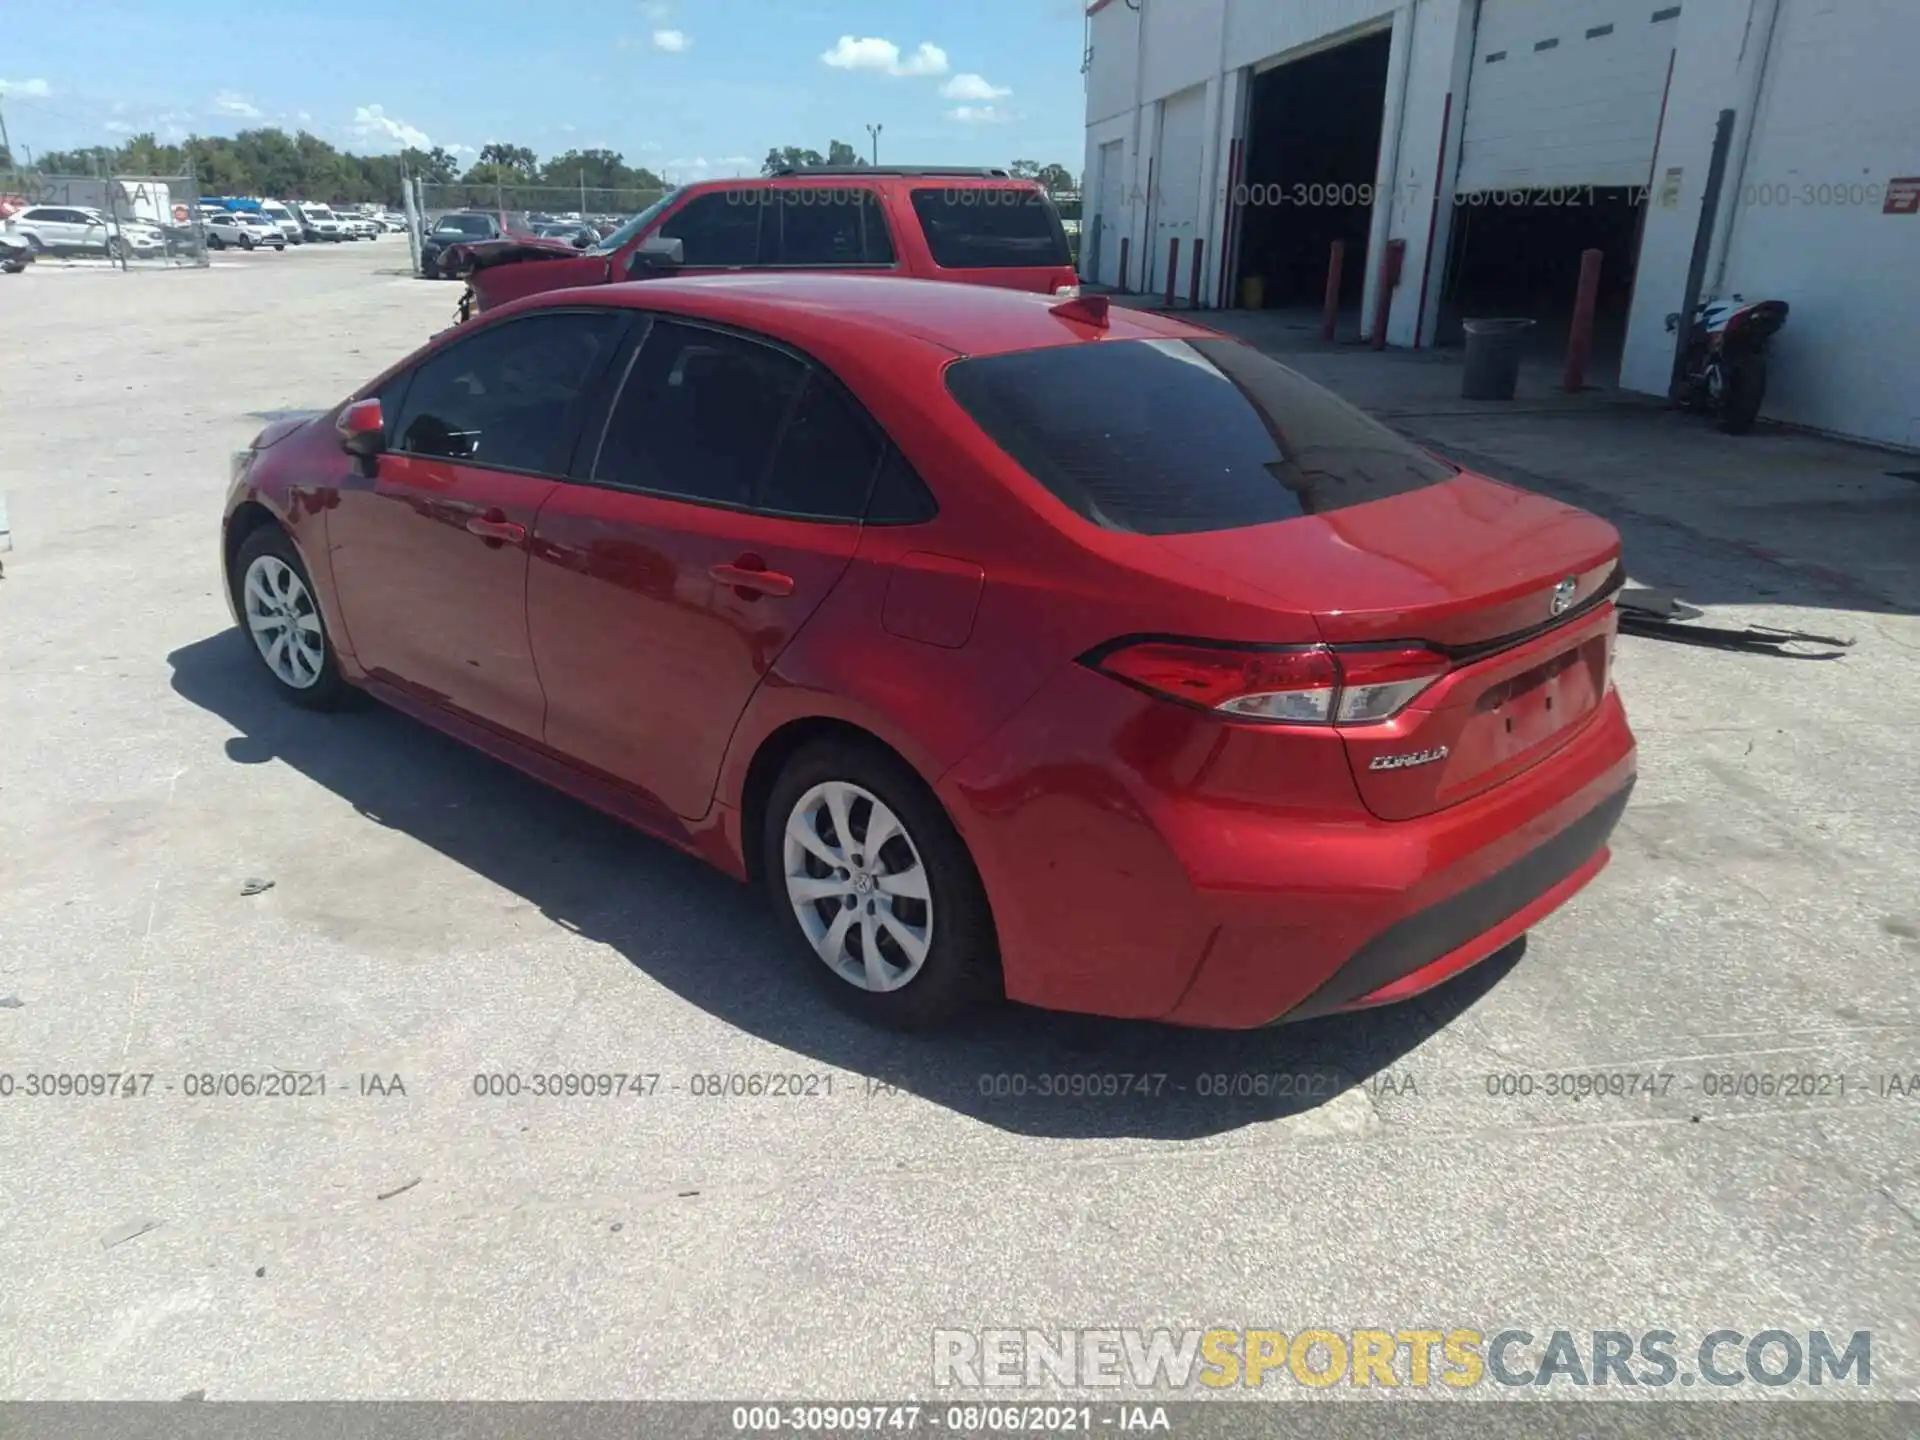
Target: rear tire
(918,902)
(280,615)
(1744,388)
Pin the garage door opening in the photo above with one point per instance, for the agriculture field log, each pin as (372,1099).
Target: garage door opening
(1312,153)
(1517,253)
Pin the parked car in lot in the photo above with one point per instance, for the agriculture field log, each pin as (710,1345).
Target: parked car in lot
(1013,646)
(79,230)
(285,219)
(318,222)
(243,232)
(466,227)
(359,227)
(976,226)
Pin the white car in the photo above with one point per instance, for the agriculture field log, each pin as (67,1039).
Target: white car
(243,232)
(75,229)
(362,227)
(280,215)
(317,222)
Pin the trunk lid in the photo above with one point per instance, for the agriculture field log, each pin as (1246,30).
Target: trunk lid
(1514,588)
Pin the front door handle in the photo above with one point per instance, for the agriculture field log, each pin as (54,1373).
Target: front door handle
(496,529)
(749,576)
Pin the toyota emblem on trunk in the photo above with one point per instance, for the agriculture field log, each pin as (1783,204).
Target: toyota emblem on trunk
(1562,596)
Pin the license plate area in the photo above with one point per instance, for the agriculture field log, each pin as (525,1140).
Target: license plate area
(1513,716)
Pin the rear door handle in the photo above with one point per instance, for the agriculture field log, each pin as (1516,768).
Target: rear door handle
(750,574)
(496,529)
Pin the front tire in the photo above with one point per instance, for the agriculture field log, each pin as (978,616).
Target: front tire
(1744,387)
(275,598)
(868,873)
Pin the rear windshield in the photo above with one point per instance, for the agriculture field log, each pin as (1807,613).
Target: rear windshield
(1170,437)
(464,225)
(985,227)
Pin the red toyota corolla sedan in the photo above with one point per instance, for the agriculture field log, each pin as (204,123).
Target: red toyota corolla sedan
(1014,646)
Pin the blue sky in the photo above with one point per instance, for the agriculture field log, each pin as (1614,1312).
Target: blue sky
(691,87)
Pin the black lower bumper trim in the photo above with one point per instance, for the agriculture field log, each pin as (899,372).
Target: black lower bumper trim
(1425,937)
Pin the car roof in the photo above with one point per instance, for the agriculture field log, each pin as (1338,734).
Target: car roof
(960,319)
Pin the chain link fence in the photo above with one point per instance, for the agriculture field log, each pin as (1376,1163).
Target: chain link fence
(146,222)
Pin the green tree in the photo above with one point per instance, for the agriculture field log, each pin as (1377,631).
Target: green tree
(790,157)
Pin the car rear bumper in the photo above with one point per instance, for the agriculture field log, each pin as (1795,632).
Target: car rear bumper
(1143,864)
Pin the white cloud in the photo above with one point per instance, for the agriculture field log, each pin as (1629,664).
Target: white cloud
(304,118)
(458,149)
(229,103)
(656,10)
(119,127)
(979,115)
(736,160)
(674,42)
(371,122)
(874,54)
(36,89)
(973,87)
(652,147)
(568,129)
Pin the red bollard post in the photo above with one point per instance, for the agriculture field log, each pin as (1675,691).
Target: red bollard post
(1330,315)
(1390,264)
(1193,281)
(1173,267)
(1126,267)
(1580,338)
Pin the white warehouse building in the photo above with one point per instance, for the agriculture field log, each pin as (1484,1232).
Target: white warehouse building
(1466,153)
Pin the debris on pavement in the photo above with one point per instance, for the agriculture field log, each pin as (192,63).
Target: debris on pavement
(128,1232)
(1653,615)
(256,887)
(400,1190)
(11,1002)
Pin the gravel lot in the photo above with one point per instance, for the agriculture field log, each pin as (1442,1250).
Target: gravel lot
(433,916)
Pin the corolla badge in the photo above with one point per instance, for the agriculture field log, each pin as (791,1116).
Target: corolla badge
(1563,594)
(1409,759)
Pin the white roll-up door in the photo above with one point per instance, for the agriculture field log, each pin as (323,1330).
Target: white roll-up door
(1566,94)
(1176,180)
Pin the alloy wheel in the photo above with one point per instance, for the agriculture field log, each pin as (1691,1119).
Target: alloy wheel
(284,622)
(858,886)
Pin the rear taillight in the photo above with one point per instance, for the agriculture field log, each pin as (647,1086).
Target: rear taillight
(1297,685)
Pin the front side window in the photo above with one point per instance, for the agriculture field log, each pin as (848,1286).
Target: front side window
(985,227)
(1169,437)
(507,397)
(721,227)
(697,415)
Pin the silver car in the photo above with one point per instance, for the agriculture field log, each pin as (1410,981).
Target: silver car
(79,230)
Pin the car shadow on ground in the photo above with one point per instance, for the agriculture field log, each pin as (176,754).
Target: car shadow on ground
(716,945)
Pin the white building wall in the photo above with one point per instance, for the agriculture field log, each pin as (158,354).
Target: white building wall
(1837,116)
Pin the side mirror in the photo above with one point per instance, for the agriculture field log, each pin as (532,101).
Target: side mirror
(363,429)
(1673,322)
(654,255)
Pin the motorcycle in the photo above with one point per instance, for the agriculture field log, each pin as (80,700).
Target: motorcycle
(15,254)
(1723,371)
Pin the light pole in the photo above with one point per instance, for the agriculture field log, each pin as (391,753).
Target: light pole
(873,134)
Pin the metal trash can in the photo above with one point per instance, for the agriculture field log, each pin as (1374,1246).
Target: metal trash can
(1493,358)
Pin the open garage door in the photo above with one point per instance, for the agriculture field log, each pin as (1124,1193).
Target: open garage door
(1176,180)
(1565,95)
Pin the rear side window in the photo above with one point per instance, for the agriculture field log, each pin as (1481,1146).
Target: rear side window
(828,225)
(1170,437)
(823,468)
(984,227)
(698,415)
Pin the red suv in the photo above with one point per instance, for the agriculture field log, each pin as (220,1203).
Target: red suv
(975,226)
(1014,646)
